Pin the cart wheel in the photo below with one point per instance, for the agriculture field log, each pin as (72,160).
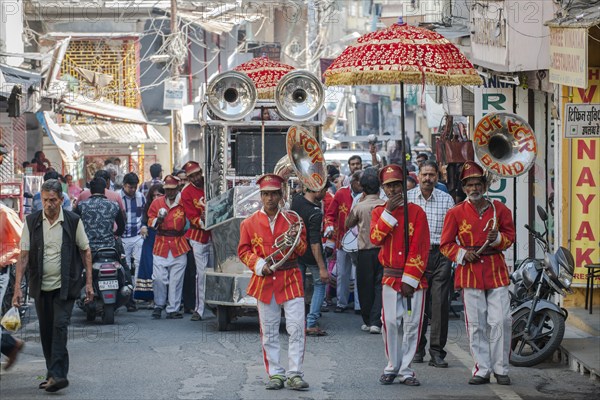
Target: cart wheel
(223,318)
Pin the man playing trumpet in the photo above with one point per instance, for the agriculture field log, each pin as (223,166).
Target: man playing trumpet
(484,229)
(276,285)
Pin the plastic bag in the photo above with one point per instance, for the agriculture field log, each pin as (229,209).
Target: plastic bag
(11,321)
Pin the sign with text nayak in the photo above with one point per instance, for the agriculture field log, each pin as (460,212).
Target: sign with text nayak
(581,187)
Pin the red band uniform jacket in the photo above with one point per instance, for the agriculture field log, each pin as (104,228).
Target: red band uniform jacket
(464,224)
(191,199)
(387,232)
(336,214)
(174,221)
(256,243)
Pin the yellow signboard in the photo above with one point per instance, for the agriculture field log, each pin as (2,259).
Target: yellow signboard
(581,183)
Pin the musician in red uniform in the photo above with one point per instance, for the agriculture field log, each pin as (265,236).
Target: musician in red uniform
(483,277)
(170,249)
(335,228)
(277,289)
(192,199)
(403,276)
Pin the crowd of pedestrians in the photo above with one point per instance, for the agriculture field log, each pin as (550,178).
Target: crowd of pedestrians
(395,274)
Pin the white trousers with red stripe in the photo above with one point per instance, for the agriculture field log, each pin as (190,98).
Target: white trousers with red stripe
(269,315)
(401,332)
(167,279)
(204,257)
(489,326)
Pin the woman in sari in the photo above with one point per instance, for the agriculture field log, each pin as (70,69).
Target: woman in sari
(143,283)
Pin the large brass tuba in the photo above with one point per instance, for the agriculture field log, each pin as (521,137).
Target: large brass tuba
(305,159)
(505,145)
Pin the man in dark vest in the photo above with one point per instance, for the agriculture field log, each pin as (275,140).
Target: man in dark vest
(54,249)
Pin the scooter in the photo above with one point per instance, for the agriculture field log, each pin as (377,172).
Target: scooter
(538,324)
(110,288)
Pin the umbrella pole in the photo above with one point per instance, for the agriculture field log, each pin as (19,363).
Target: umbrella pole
(404,196)
(262,142)
(404,170)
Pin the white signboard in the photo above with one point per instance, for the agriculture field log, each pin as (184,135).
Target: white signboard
(174,95)
(582,120)
(568,56)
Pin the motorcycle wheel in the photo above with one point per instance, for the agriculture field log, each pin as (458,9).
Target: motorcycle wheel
(90,315)
(108,316)
(545,335)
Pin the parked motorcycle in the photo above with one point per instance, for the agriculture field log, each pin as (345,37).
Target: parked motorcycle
(538,324)
(110,288)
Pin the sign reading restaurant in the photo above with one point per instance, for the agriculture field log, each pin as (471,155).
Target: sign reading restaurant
(568,56)
(582,120)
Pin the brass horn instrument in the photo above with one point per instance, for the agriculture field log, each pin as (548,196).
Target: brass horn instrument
(505,145)
(305,159)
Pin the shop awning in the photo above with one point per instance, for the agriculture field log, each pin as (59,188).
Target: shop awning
(118,134)
(11,76)
(102,109)
(218,17)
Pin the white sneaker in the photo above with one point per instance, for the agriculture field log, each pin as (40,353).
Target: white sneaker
(375,329)
(365,328)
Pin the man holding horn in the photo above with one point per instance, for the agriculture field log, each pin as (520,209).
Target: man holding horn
(475,234)
(276,284)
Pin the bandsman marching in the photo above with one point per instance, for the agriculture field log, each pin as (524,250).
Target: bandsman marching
(484,229)
(277,289)
(404,282)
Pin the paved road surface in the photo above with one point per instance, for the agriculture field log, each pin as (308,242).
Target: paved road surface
(141,358)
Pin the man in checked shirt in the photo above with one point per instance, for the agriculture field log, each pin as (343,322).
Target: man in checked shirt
(436,204)
(134,234)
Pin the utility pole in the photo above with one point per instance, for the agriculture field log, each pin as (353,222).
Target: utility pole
(312,31)
(176,121)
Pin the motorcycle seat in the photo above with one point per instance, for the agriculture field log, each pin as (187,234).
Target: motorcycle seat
(106,254)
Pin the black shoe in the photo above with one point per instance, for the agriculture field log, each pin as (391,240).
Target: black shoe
(478,380)
(54,385)
(502,379)
(418,359)
(174,315)
(438,362)
(339,309)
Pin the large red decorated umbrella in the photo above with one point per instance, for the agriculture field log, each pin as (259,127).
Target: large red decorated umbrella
(402,54)
(265,73)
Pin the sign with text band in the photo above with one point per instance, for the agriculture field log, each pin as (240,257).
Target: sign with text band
(174,95)
(582,120)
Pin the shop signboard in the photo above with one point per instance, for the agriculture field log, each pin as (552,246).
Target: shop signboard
(582,120)
(568,56)
(580,176)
